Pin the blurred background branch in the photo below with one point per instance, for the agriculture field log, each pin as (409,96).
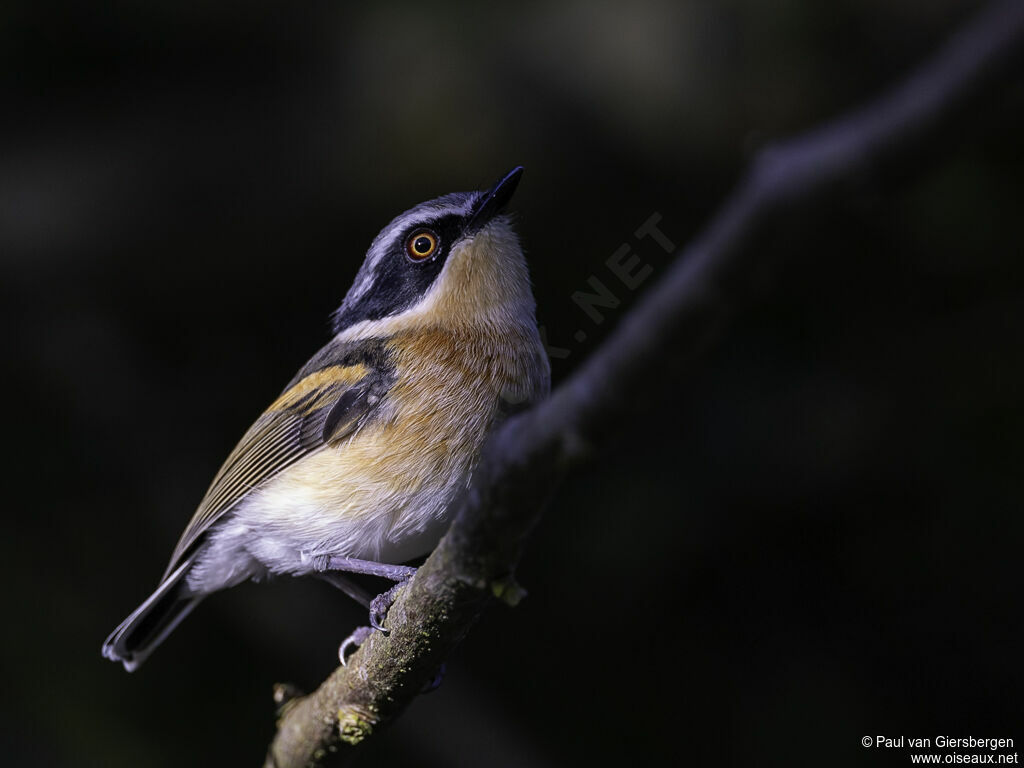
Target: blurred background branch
(708,281)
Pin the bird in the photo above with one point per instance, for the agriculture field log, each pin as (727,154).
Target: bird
(353,468)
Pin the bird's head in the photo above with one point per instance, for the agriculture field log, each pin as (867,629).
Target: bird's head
(454,262)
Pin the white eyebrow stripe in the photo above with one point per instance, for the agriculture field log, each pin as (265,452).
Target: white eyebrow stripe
(366,277)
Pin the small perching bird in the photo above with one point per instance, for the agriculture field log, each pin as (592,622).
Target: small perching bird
(353,468)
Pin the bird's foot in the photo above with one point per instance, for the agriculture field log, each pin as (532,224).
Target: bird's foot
(379,607)
(381,604)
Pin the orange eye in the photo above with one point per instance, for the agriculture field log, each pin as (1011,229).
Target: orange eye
(422,245)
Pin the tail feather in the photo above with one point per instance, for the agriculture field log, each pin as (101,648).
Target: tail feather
(137,636)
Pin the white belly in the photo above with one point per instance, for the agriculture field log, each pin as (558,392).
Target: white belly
(372,497)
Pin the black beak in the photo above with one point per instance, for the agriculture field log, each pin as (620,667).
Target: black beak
(495,199)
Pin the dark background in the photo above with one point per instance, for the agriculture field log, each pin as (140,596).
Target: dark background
(816,537)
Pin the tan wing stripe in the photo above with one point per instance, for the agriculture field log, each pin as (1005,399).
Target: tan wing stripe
(330,377)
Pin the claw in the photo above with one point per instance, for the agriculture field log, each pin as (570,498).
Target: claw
(352,642)
(376,621)
(379,607)
(381,604)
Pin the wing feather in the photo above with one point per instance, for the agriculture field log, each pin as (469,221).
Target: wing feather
(326,401)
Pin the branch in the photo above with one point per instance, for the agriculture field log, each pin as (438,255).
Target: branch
(473,564)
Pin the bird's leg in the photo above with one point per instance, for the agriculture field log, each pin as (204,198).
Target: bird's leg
(379,606)
(398,573)
(329,567)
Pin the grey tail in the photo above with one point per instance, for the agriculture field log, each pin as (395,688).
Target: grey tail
(137,636)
